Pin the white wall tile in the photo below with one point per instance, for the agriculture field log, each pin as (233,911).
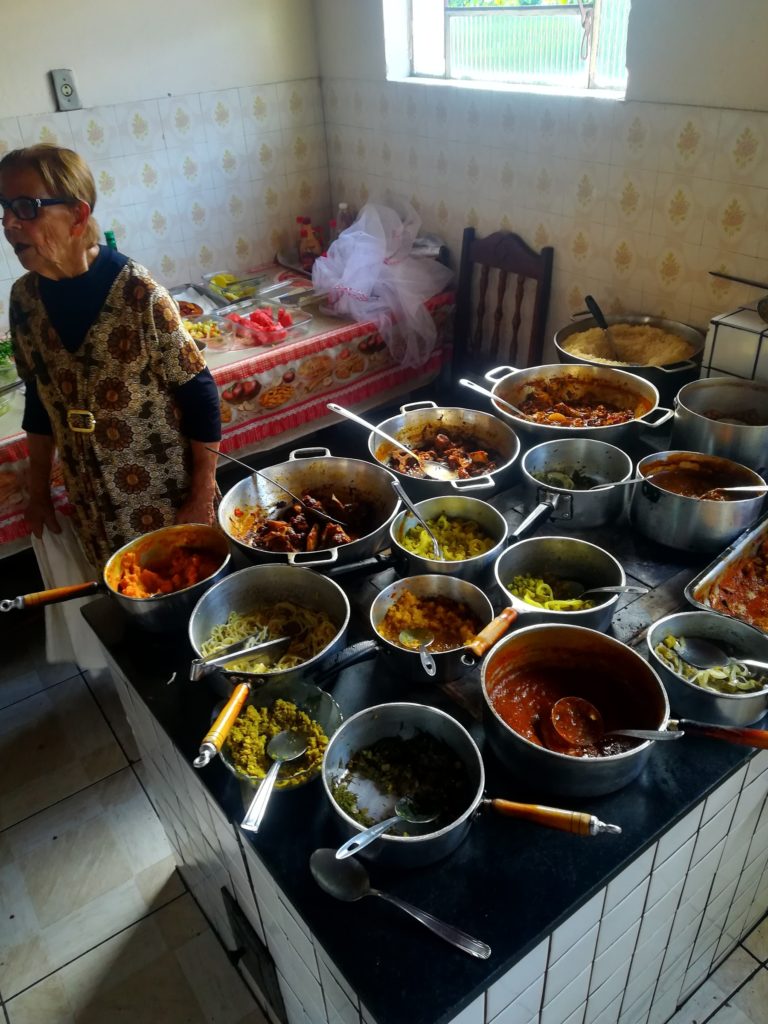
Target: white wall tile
(670,873)
(577,925)
(518,979)
(568,1001)
(473,1014)
(629,879)
(677,836)
(561,973)
(614,924)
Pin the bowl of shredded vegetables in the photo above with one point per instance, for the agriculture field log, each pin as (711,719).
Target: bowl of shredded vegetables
(542,578)
(727,694)
(470,533)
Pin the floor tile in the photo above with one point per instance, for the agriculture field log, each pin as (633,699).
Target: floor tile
(716,989)
(757,941)
(102,686)
(749,1005)
(52,744)
(75,874)
(24,670)
(167,969)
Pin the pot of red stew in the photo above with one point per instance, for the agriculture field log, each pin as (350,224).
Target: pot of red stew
(678,500)
(531,669)
(355,498)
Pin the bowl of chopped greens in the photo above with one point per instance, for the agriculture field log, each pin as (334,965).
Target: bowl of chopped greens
(727,694)
(407,750)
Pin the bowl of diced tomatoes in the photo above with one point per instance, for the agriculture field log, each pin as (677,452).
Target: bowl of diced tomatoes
(264,325)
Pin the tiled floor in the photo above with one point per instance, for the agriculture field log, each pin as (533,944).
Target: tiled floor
(96,926)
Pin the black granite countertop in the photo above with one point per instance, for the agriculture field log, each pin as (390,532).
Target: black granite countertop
(509,883)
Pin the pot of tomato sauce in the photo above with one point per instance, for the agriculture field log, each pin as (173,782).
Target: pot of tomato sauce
(677,501)
(531,669)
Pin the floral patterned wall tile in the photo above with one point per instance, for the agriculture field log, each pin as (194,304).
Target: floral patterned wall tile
(140,126)
(585,189)
(736,219)
(260,109)
(589,129)
(636,132)
(112,182)
(205,254)
(680,206)
(271,200)
(742,148)
(53,128)
(235,207)
(197,214)
(688,140)
(181,118)
(189,168)
(228,162)
(265,155)
(124,222)
(10,135)
(625,252)
(147,176)
(159,223)
(299,103)
(222,117)
(630,197)
(95,133)
(170,264)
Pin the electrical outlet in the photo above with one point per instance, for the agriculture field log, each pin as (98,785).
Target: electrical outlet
(65,90)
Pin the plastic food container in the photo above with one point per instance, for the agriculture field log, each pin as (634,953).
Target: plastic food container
(213,332)
(230,287)
(263,324)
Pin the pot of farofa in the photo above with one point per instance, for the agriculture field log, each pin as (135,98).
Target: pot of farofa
(665,352)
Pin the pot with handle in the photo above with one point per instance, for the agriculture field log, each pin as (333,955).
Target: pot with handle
(159,612)
(602,383)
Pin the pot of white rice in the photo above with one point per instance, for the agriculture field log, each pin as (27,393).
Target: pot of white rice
(665,352)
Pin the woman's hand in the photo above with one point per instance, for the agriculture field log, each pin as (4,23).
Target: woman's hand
(198,508)
(40,514)
(200,504)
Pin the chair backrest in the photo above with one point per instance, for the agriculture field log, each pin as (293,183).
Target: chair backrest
(498,256)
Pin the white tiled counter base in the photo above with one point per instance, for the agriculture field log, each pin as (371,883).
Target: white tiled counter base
(630,955)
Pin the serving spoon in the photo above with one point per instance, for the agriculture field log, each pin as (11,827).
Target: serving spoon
(257,472)
(749,489)
(399,490)
(404,811)
(433,470)
(285,746)
(602,323)
(576,722)
(348,880)
(705,654)
(496,398)
(421,639)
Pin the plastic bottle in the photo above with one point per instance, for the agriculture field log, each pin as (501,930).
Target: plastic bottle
(109,238)
(345,217)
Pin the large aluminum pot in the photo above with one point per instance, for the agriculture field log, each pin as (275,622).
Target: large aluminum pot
(420,421)
(573,509)
(689,700)
(455,506)
(731,437)
(310,470)
(666,379)
(158,613)
(576,656)
(566,558)
(609,384)
(691,524)
(263,585)
(404,720)
(449,664)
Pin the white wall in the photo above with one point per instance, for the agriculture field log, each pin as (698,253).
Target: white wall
(703,52)
(147,49)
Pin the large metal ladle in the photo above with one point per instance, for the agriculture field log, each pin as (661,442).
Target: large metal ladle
(404,811)
(348,880)
(496,398)
(285,746)
(705,654)
(397,487)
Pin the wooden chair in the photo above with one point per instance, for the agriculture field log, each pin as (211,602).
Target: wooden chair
(477,347)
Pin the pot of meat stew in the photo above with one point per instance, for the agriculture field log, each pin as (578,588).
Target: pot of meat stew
(267,525)
(477,446)
(557,401)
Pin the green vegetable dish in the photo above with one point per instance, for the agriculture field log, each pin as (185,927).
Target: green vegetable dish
(547,592)
(733,678)
(459,539)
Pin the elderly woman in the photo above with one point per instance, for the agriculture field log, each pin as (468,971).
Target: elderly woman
(114,382)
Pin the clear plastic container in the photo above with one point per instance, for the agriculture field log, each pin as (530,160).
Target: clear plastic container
(251,330)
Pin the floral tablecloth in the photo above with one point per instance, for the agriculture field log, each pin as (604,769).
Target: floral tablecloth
(266,395)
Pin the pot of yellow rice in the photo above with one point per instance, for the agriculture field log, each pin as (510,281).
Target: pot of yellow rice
(471,534)
(665,352)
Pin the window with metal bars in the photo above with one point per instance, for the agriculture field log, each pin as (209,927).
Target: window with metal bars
(567,44)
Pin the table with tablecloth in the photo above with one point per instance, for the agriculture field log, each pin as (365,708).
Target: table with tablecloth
(268,395)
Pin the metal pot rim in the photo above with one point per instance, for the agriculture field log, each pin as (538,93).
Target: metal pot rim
(625,755)
(701,457)
(406,841)
(633,319)
(694,687)
(581,440)
(460,563)
(712,382)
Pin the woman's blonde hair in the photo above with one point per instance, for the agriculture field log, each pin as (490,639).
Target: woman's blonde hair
(63,172)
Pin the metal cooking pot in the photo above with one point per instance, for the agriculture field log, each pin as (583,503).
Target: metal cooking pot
(449,664)
(689,700)
(667,379)
(690,524)
(694,431)
(405,720)
(570,508)
(577,654)
(264,585)
(612,385)
(566,558)
(420,421)
(457,506)
(307,471)
(162,612)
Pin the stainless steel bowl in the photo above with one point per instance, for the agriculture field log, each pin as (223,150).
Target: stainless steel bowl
(666,379)
(693,430)
(420,421)
(573,509)
(687,699)
(566,558)
(404,720)
(457,507)
(577,654)
(449,664)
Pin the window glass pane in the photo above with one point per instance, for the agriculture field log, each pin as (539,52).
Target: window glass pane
(611,63)
(428,38)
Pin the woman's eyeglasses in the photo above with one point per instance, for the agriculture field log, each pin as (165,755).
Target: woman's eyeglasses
(27,207)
